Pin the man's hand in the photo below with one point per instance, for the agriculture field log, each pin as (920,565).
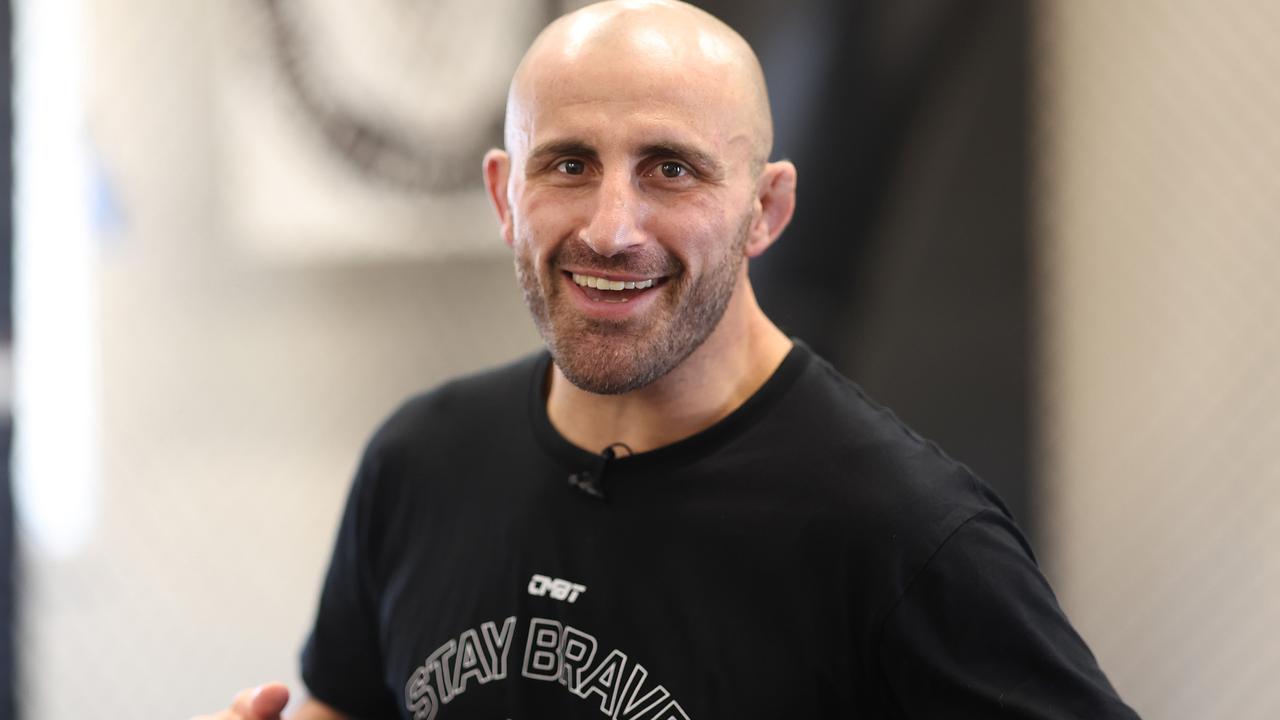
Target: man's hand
(265,702)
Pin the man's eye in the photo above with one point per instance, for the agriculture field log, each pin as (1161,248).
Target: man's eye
(673,169)
(571,167)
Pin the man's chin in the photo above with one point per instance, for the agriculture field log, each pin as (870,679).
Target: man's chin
(597,373)
(608,361)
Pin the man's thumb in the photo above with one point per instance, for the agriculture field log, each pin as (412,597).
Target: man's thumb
(269,701)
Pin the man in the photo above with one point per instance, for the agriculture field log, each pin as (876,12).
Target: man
(676,512)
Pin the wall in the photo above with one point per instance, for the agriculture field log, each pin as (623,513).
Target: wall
(1159,188)
(236,392)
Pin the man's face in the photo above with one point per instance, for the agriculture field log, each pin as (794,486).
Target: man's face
(635,178)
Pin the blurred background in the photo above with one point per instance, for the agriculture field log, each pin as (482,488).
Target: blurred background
(1046,233)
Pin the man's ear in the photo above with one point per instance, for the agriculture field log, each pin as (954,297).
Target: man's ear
(497,168)
(775,203)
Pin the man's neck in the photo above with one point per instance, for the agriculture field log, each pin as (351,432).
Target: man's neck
(727,369)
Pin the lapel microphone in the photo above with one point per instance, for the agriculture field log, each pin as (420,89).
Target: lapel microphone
(591,482)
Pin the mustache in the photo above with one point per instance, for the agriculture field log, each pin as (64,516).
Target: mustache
(649,260)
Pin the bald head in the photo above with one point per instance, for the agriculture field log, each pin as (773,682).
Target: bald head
(663,48)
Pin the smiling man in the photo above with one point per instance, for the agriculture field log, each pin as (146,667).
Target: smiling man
(675,511)
(633,188)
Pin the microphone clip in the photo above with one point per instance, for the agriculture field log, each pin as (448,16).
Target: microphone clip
(591,482)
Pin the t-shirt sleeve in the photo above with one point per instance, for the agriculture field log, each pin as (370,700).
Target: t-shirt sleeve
(341,661)
(979,634)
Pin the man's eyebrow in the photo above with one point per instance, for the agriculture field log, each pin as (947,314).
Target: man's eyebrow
(557,148)
(702,162)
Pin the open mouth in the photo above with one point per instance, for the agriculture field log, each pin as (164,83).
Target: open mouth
(614,290)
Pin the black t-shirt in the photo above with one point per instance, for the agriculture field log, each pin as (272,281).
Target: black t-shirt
(808,556)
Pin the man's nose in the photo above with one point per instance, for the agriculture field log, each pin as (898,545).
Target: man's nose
(615,225)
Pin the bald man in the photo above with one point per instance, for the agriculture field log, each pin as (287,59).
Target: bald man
(676,511)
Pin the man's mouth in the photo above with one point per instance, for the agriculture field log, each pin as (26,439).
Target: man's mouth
(610,290)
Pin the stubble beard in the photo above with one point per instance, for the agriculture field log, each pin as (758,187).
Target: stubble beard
(611,358)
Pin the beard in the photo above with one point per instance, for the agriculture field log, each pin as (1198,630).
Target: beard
(615,357)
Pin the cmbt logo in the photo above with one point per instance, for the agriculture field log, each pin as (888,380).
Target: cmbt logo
(542,586)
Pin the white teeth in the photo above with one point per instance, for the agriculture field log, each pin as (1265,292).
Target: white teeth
(605,284)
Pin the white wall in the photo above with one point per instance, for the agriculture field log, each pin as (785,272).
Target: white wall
(236,393)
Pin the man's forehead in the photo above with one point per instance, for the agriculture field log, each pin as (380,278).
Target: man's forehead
(706,137)
(643,98)
(631,71)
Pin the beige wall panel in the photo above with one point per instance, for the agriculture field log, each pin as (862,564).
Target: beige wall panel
(1159,130)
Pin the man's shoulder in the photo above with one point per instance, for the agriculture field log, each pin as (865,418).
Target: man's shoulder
(889,491)
(863,458)
(486,399)
(832,416)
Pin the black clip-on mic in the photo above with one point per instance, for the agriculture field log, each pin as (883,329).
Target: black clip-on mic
(591,481)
